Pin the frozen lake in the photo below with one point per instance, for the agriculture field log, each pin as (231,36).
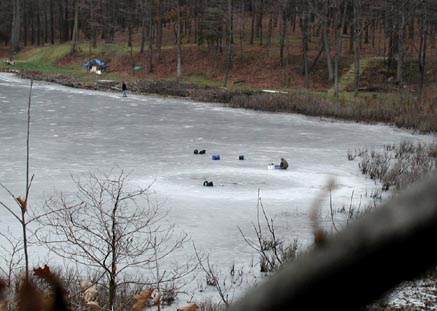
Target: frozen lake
(75,131)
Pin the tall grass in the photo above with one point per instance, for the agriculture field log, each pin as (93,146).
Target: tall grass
(405,113)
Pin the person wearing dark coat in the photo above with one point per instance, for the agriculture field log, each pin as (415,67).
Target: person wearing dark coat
(283,164)
(124,89)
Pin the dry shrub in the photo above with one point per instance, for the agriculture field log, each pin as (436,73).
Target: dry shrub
(208,305)
(405,113)
(401,165)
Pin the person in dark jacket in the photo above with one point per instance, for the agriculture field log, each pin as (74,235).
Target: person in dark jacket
(283,164)
(124,89)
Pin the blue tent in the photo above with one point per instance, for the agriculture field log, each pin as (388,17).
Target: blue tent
(94,61)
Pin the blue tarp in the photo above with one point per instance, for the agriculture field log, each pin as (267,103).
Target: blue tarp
(94,61)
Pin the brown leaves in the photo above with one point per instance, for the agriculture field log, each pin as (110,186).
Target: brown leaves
(23,203)
(43,273)
(31,298)
(189,307)
(142,299)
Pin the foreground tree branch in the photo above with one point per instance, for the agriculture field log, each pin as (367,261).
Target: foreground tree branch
(364,261)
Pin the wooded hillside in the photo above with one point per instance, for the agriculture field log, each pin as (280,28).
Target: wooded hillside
(318,39)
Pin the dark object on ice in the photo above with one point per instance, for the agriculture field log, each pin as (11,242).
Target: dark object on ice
(208,183)
(284,164)
(202,151)
(241,157)
(124,89)
(196,151)
(216,157)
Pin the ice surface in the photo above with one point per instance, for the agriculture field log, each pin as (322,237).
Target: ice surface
(75,131)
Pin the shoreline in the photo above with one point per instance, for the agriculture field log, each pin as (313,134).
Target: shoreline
(404,114)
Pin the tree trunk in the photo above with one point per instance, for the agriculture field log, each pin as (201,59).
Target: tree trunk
(73,46)
(32,24)
(25,25)
(93,30)
(269,31)
(66,24)
(400,64)
(16,26)
(114,259)
(46,27)
(282,39)
(351,37)
(422,53)
(129,37)
(179,50)
(242,27)
(60,20)
(304,30)
(52,23)
(327,47)
(338,42)
(38,23)
(159,33)
(143,28)
(150,40)
(230,29)
(259,24)
(252,27)
(357,49)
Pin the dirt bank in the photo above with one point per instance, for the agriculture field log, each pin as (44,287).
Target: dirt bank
(159,87)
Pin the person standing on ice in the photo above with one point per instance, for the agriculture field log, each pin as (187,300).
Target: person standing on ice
(284,164)
(124,89)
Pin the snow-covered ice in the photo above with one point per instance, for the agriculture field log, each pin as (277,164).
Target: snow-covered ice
(75,131)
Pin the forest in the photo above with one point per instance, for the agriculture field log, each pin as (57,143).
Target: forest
(304,44)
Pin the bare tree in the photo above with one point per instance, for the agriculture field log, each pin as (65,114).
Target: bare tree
(322,9)
(284,6)
(304,21)
(178,43)
(423,29)
(268,245)
(23,202)
(215,279)
(230,30)
(16,26)
(74,38)
(326,44)
(357,38)
(11,256)
(109,228)
(339,21)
